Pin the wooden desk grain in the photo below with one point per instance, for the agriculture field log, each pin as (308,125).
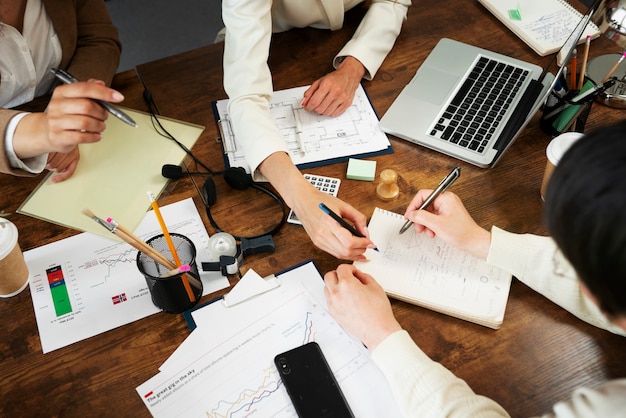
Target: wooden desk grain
(537,358)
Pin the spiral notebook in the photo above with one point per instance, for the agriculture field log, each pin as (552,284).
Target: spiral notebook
(430,273)
(543,24)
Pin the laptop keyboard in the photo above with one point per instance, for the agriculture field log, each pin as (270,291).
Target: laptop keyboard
(479,106)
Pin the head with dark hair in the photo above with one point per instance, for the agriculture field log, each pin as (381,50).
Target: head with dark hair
(585,209)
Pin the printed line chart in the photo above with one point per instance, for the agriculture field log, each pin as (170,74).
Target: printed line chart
(86,284)
(232,375)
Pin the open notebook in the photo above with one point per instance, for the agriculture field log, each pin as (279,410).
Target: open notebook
(428,272)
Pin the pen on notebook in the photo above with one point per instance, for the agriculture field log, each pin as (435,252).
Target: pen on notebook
(343,223)
(614,68)
(583,67)
(442,187)
(67,78)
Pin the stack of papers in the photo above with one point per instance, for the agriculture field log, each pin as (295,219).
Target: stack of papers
(225,367)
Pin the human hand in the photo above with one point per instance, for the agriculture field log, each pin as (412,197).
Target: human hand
(325,232)
(63,163)
(447,218)
(360,305)
(301,196)
(332,94)
(74,118)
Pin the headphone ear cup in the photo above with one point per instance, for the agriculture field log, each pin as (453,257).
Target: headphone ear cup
(209,192)
(237,178)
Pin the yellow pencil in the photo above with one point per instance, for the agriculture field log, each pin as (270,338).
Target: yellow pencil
(170,244)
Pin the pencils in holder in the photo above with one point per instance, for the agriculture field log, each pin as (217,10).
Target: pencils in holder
(170,244)
(131,239)
(614,68)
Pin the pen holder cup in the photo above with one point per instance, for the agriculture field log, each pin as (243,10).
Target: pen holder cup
(171,293)
(560,116)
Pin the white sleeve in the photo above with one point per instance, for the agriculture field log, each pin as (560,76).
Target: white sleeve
(537,262)
(375,35)
(34,165)
(425,388)
(248,80)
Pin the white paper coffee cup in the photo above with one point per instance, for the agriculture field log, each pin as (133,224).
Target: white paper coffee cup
(13,270)
(555,151)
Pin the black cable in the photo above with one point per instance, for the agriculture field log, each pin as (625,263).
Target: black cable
(160,129)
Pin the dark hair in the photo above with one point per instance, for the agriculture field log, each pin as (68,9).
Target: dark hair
(585,210)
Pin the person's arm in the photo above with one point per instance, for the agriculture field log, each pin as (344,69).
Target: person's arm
(9,162)
(537,262)
(72,118)
(248,83)
(534,260)
(422,387)
(304,199)
(360,58)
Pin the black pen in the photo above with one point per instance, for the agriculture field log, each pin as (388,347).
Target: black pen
(343,223)
(67,78)
(442,187)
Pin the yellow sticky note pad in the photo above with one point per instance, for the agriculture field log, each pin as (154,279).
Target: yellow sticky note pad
(361,169)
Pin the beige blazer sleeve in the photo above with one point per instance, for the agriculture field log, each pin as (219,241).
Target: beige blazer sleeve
(90,48)
(247,78)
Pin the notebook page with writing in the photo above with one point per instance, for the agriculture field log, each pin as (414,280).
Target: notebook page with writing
(428,272)
(543,24)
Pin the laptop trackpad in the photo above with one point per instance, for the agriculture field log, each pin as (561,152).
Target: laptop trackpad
(432,86)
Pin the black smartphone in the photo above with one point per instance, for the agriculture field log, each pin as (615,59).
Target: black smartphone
(310,383)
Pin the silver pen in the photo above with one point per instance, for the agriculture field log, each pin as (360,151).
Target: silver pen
(442,187)
(67,78)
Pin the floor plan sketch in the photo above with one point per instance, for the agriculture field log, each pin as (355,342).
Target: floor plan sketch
(310,137)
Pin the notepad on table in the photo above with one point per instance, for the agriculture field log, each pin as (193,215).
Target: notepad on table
(113,175)
(543,24)
(430,273)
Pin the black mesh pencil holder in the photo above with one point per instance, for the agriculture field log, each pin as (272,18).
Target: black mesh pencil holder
(171,293)
(563,113)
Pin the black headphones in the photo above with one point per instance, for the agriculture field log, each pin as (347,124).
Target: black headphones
(235,177)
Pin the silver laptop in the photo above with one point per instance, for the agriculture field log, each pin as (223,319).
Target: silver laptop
(471,103)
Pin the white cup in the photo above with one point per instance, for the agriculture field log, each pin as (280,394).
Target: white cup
(13,270)
(555,151)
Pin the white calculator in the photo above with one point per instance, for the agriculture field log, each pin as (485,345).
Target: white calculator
(328,185)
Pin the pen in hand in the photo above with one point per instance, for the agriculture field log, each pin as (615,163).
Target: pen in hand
(343,223)
(67,78)
(442,187)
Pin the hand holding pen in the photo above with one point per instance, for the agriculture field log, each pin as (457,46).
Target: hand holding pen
(67,78)
(342,222)
(442,187)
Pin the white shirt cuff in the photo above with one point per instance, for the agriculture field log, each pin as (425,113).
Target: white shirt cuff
(34,165)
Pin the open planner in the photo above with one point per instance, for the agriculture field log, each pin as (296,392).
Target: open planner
(428,272)
(543,24)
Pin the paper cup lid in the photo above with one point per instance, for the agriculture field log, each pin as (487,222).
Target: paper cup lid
(8,237)
(559,145)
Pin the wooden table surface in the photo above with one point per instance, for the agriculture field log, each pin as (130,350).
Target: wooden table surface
(538,356)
